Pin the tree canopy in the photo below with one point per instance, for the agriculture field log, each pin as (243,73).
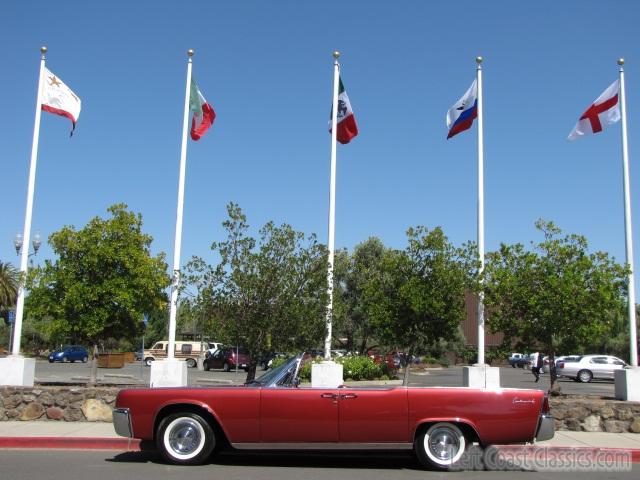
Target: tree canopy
(554,295)
(267,293)
(418,295)
(102,282)
(9,283)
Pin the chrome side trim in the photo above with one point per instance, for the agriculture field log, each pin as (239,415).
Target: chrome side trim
(122,422)
(546,428)
(322,446)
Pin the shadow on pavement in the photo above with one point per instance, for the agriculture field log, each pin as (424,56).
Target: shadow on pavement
(373,460)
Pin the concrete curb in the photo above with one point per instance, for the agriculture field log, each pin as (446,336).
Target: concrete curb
(71,443)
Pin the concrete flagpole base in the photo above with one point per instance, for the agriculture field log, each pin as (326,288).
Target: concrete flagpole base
(169,372)
(17,371)
(327,374)
(481,376)
(628,384)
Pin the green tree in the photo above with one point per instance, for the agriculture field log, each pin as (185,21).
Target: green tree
(103,281)
(9,282)
(351,310)
(555,294)
(418,296)
(267,293)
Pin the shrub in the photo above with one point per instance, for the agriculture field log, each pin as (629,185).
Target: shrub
(360,368)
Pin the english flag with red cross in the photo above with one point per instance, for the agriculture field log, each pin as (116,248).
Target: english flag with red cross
(604,111)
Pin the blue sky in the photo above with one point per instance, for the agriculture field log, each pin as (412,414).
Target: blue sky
(267,69)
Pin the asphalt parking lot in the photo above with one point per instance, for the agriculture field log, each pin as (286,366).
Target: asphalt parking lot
(137,374)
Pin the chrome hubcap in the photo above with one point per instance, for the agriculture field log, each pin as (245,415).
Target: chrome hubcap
(443,444)
(185,437)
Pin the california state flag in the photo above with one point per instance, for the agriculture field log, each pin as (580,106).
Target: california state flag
(203,113)
(59,99)
(347,128)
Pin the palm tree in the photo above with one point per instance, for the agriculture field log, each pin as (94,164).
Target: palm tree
(9,283)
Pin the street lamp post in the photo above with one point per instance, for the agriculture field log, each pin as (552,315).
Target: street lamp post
(36,241)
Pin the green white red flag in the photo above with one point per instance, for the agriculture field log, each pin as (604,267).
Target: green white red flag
(59,99)
(203,113)
(347,127)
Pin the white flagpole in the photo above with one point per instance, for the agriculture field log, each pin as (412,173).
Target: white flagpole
(175,284)
(26,235)
(627,223)
(332,206)
(480,213)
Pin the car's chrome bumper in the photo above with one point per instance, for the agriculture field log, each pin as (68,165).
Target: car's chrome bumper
(546,428)
(122,422)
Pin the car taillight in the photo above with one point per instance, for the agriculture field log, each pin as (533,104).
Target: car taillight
(560,365)
(545,405)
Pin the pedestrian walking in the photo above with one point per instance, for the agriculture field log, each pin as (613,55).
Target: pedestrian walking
(536,363)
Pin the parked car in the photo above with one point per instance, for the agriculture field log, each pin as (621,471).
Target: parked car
(267,360)
(275,412)
(589,367)
(227,358)
(69,353)
(189,351)
(519,360)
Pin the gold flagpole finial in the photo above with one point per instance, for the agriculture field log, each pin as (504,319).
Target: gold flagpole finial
(479,60)
(190,52)
(336,54)
(43,50)
(621,61)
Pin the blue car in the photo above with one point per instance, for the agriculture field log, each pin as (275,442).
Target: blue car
(69,353)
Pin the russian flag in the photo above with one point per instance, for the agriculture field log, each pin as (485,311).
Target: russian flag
(460,117)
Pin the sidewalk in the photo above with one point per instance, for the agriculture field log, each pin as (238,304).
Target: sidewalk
(101,436)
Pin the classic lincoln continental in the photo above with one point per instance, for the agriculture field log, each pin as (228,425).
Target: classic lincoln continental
(274,412)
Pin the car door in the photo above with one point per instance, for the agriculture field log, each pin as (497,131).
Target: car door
(615,364)
(299,415)
(600,367)
(374,415)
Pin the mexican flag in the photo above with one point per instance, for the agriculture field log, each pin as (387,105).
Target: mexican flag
(203,114)
(347,128)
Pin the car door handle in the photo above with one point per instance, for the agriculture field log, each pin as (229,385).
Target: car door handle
(346,396)
(329,395)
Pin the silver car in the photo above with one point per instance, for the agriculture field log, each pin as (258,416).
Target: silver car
(588,367)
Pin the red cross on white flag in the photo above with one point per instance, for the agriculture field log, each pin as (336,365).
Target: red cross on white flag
(604,111)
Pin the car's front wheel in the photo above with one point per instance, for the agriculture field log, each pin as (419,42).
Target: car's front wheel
(585,376)
(185,439)
(191,363)
(148,361)
(226,367)
(440,446)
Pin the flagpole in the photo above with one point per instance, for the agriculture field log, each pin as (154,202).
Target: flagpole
(175,284)
(26,235)
(627,223)
(480,317)
(332,206)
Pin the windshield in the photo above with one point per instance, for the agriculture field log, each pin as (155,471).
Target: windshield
(279,376)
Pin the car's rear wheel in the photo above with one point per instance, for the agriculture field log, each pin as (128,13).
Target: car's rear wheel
(205,365)
(185,439)
(440,446)
(226,367)
(585,376)
(85,359)
(148,361)
(191,363)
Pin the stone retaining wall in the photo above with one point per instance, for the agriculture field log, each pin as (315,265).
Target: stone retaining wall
(68,404)
(95,404)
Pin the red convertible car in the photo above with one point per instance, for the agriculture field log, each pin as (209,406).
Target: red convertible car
(275,413)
